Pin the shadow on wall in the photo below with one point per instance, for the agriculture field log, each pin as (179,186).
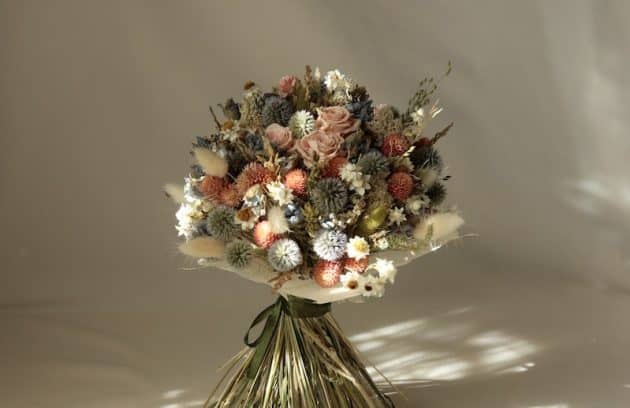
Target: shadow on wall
(424,352)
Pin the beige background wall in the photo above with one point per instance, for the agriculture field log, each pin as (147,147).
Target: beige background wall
(100,100)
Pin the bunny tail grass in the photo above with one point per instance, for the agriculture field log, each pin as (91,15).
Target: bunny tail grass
(212,163)
(307,363)
(203,247)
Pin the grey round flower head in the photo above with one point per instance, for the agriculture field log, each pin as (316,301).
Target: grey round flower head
(220,223)
(329,196)
(276,110)
(373,162)
(238,253)
(330,244)
(284,255)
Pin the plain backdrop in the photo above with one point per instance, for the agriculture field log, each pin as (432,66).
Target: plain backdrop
(100,100)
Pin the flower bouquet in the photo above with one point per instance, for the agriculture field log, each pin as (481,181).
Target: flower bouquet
(313,190)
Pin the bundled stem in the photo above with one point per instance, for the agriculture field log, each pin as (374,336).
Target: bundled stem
(308,362)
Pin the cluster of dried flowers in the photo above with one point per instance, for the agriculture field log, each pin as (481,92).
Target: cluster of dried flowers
(316,180)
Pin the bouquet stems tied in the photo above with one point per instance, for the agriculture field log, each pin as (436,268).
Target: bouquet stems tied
(300,359)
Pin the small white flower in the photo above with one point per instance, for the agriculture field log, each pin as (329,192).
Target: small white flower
(397,216)
(385,268)
(246,219)
(373,286)
(382,243)
(335,80)
(357,181)
(358,248)
(352,280)
(417,202)
(279,193)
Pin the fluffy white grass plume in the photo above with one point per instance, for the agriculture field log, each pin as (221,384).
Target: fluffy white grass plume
(175,192)
(203,247)
(212,163)
(442,225)
(277,221)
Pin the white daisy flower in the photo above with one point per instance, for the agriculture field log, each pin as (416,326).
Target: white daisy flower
(358,248)
(385,268)
(373,287)
(357,181)
(279,193)
(397,216)
(352,280)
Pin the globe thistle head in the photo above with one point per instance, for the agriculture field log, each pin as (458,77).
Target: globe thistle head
(327,273)
(436,193)
(373,162)
(284,255)
(329,195)
(330,244)
(333,167)
(400,185)
(220,223)
(238,253)
(361,110)
(426,157)
(301,123)
(254,142)
(276,110)
(254,173)
(394,144)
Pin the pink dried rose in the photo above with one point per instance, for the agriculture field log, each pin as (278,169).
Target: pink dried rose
(336,119)
(319,147)
(280,136)
(286,85)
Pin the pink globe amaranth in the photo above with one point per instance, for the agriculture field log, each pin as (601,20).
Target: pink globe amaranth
(286,85)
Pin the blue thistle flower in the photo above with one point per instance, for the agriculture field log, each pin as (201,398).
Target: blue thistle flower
(329,195)
(293,213)
(284,255)
(330,244)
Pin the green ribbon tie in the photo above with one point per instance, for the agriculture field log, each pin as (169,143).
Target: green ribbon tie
(294,307)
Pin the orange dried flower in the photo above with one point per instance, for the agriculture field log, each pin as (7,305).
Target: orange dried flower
(263,237)
(327,273)
(211,187)
(295,180)
(334,166)
(394,144)
(400,185)
(252,174)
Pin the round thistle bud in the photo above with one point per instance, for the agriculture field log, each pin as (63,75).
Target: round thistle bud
(400,185)
(238,253)
(276,110)
(436,193)
(394,144)
(327,273)
(211,187)
(329,195)
(295,180)
(284,255)
(263,237)
(333,167)
(301,123)
(330,244)
(355,265)
(426,156)
(373,162)
(220,223)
